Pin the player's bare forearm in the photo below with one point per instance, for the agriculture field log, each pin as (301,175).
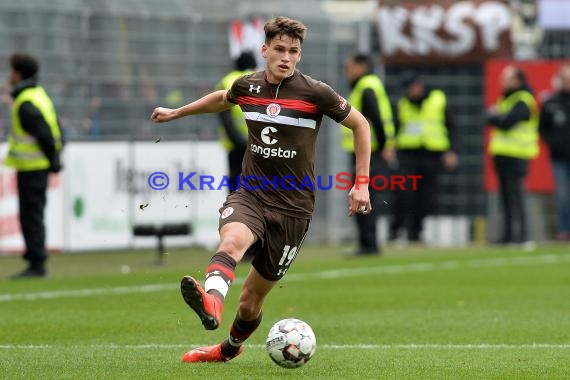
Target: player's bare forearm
(361,136)
(358,197)
(211,103)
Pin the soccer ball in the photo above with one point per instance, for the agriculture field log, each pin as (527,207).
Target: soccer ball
(291,343)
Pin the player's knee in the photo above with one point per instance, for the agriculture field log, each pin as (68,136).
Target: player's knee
(232,245)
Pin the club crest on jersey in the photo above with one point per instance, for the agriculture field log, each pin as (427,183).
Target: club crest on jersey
(227,212)
(273,109)
(343,102)
(253,88)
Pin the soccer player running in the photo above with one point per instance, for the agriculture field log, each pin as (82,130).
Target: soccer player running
(284,110)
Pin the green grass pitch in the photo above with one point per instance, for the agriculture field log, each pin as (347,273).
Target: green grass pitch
(415,313)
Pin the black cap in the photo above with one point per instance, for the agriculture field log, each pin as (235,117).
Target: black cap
(411,77)
(246,61)
(25,64)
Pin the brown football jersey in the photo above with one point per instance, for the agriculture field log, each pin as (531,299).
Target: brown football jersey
(283,122)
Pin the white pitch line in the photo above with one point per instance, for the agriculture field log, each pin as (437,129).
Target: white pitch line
(293,277)
(432,266)
(89,292)
(409,346)
(447,346)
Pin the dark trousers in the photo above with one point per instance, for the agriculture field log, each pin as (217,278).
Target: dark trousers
(32,194)
(561,170)
(511,173)
(235,158)
(366,223)
(412,206)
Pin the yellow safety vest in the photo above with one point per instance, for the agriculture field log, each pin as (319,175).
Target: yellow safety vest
(520,141)
(25,154)
(423,126)
(355,99)
(236,112)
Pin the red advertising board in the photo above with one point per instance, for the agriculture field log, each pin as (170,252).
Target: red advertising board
(540,76)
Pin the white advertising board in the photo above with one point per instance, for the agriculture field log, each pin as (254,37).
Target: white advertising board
(209,160)
(96,200)
(158,197)
(105,189)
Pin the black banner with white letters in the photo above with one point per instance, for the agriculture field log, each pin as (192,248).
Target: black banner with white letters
(446,31)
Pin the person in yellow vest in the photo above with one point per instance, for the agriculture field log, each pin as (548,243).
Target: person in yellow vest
(514,141)
(369,97)
(426,138)
(34,146)
(234,129)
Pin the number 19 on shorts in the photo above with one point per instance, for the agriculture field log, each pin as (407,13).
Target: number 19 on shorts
(287,258)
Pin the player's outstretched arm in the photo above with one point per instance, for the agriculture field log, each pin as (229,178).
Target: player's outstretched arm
(211,103)
(358,197)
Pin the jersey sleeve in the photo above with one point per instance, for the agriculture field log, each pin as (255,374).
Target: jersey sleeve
(234,91)
(332,104)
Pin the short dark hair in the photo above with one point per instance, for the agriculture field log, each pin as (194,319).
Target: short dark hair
(25,64)
(364,59)
(284,26)
(245,61)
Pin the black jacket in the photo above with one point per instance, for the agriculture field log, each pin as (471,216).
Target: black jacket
(555,125)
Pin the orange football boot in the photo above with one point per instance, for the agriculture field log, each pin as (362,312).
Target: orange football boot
(207,306)
(208,354)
